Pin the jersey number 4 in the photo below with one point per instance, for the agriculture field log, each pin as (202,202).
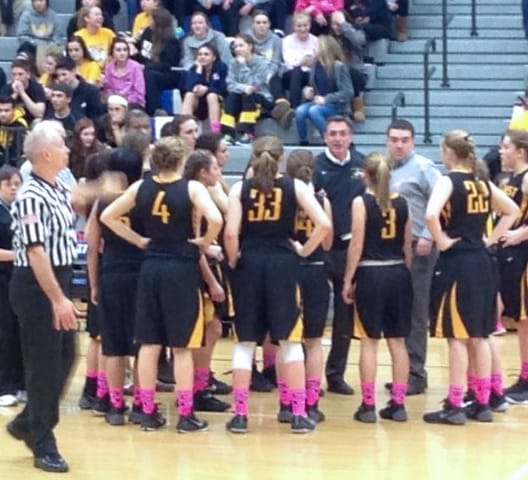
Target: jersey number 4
(266,206)
(160,209)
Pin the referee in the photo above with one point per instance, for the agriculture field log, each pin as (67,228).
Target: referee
(44,246)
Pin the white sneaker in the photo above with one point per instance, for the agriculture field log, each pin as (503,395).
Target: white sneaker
(8,400)
(22,396)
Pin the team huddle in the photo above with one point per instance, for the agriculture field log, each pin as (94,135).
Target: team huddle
(168,247)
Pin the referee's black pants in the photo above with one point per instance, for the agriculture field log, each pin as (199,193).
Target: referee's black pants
(48,357)
(11,366)
(342,323)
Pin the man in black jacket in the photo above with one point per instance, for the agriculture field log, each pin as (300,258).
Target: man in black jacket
(86,98)
(339,173)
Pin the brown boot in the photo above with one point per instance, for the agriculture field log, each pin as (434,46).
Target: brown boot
(358,109)
(280,109)
(401,29)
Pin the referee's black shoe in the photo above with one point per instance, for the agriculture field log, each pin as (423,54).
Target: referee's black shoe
(338,385)
(415,386)
(205,401)
(51,462)
(18,434)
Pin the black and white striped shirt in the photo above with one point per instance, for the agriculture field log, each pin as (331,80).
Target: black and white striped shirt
(43,215)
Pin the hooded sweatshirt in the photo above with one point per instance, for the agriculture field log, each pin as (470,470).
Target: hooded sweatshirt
(191,44)
(39,28)
(270,48)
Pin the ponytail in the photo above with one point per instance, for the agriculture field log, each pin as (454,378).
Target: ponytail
(378,173)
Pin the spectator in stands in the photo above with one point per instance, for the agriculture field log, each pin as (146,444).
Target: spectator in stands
(269,45)
(373,16)
(84,143)
(39,25)
(298,51)
(76,21)
(277,10)
(159,50)
(28,93)
(61,97)
(205,87)
(122,75)
(329,92)
(86,66)
(200,34)
(218,15)
(49,75)
(248,91)
(111,125)
(138,120)
(86,99)
(352,40)
(13,129)
(144,18)
(97,38)
(400,8)
(320,11)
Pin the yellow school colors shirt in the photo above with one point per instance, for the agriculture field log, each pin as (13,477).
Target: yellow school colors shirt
(99,44)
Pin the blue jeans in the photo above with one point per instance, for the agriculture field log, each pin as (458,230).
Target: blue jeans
(317,114)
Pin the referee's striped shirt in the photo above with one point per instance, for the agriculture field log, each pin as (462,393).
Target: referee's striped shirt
(43,215)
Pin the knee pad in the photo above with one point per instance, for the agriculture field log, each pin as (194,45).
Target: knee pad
(291,351)
(243,355)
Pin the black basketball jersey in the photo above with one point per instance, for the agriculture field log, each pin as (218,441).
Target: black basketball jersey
(384,231)
(466,212)
(304,226)
(514,190)
(114,245)
(167,213)
(268,219)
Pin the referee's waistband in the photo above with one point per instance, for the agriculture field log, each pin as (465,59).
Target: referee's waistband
(59,269)
(380,263)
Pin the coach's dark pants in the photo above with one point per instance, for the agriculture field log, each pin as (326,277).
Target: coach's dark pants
(11,366)
(342,324)
(48,357)
(421,274)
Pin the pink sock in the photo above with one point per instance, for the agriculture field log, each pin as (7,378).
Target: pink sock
(269,360)
(102,385)
(201,379)
(368,391)
(284,392)
(472,382)
(496,383)
(240,397)
(524,370)
(185,402)
(313,387)
(298,396)
(137,395)
(456,395)
(116,397)
(215,126)
(483,390)
(147,400)
(398,392)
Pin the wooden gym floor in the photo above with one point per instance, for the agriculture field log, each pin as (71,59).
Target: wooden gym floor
(340,448)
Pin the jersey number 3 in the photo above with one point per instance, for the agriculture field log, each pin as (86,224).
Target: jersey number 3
(266,206)
(388,230)
(160,209)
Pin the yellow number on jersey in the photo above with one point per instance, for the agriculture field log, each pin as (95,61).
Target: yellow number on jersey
(160,209)
(267,206)
(388,230)
(477,202)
